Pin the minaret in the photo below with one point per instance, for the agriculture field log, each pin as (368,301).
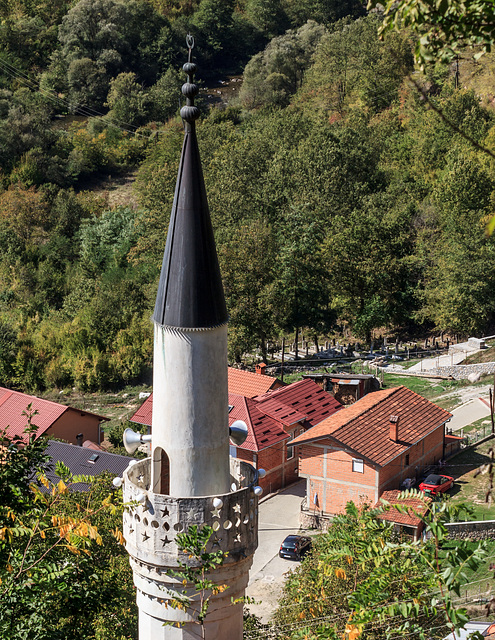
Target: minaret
(189,478)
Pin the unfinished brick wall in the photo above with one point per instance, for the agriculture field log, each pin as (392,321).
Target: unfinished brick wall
(280,472)
(425,453)
(331,476)
(332,479)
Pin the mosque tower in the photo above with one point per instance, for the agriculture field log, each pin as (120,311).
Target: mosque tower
(189,479)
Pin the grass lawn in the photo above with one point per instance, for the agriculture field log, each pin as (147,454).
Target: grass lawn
(486,355)
(471,486)
(481,580)
(117,406)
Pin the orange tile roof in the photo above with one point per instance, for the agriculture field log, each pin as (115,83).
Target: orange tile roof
(364,427)
(248,384)
(13,409)
(414,505)
(303,401)
(263,431)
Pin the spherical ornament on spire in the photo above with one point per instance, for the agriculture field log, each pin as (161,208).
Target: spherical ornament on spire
(189,113)
(190,90)
(189,68)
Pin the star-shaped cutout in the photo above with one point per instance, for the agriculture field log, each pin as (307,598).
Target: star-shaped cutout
(165,512)
(145,536)
(237,538)
(216,541)
(165,540)
(140,478)
(191,514)
(237,508)
(215,513)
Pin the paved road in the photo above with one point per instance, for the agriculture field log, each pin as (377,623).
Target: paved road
(449,359)
(468,413)
(278,517)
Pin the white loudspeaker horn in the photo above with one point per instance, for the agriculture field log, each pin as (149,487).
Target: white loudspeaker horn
(132,440)
(238,432)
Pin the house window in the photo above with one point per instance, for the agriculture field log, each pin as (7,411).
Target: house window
(358,466)
(232,451)
(407,459)
(290,452)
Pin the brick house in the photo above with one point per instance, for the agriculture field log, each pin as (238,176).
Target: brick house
(369,447)
(272,417)
(51,418)
(264,447)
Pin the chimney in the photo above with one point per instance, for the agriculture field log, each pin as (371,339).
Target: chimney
(394,428)
(79,439)
(261,368)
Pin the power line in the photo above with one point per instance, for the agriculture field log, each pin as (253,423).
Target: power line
(86,111)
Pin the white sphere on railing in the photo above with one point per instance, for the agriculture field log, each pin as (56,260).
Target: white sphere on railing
(257,491)
(261,473)
(117,482)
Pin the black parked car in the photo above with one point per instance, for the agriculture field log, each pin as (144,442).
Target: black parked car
(295,547)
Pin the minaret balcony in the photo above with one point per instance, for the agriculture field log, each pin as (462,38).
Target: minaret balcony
(152,521)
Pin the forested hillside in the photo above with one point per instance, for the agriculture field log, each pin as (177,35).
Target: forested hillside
(338,197)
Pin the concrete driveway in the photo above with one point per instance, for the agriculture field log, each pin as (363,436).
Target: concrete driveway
(278,517)
(468,413)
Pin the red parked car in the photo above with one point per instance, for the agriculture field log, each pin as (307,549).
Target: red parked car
(435,484)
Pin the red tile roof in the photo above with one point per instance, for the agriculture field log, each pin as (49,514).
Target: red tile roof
(13,409)
(143,414)
(243,383)
(247,384)
(263,431)
(414,506)
(303,401)
(364,427)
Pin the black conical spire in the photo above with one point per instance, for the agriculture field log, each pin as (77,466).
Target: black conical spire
(190,292)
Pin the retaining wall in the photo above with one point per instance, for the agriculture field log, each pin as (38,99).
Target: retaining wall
(463,371)
(475,530)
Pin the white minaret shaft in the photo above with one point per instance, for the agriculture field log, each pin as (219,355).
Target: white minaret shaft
(189,480)
(190,411)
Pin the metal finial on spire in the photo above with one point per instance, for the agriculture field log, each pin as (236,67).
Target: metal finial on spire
(190,112)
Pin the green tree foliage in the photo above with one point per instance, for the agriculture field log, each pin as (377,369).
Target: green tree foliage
(352,67)
(323,11)
(272,76)
(362,582)
(64,572)
(442,28)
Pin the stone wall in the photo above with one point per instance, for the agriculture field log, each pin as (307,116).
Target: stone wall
(475,530)
(462,371)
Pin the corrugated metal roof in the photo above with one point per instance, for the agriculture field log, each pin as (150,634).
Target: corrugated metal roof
(364,426)
(144,413)
(304,401)
(77,459)
(263,431)
(14,408)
